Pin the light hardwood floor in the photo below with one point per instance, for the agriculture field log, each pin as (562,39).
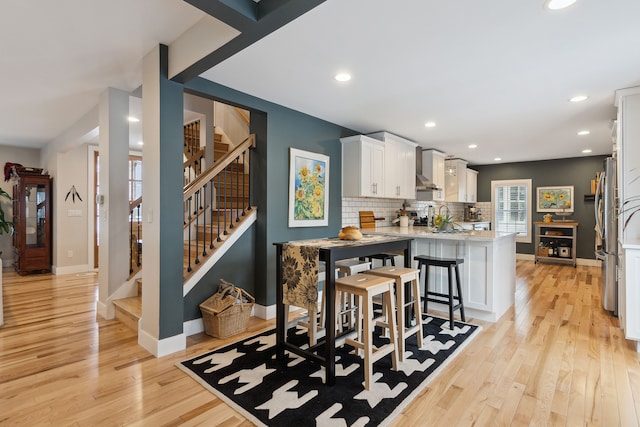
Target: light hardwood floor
(555,358)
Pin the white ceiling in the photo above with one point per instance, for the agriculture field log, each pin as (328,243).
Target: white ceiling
(497,73)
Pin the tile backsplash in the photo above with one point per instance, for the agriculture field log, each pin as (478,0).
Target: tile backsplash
(388,209)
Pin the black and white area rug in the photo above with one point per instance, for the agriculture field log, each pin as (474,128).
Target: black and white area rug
(246,376)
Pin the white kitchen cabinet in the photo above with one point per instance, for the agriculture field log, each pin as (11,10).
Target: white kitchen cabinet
(433,169)
(472,186)
(363,165)
(399,166)
(455,180)
(628,158)
(488,274)
(628,148)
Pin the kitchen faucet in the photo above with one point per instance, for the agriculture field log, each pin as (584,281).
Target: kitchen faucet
(443,206)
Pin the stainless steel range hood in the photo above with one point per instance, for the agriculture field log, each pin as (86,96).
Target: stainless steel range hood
(422,182)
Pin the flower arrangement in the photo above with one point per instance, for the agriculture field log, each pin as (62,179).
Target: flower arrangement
(309,192)
(443,222)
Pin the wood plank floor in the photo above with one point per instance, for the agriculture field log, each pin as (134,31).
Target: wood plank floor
(554,359)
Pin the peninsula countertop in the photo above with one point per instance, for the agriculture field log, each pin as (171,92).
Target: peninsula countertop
(427,233)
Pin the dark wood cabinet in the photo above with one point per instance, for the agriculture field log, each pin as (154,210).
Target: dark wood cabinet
(32,221)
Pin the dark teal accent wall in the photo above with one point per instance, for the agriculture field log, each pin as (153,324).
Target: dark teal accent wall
(577,171)
(277,129)
(170,215)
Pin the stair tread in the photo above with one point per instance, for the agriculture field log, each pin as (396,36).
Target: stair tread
(132,305)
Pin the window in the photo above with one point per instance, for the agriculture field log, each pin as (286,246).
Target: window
(511,201)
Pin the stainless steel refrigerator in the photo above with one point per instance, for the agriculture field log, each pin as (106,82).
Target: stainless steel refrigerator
(607,234)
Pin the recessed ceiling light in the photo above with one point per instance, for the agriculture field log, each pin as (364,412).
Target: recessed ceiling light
(497,159)
(584,132)
(578,98)
(586,150)
(430,124)
(473,145)
(558,4)
(342,77)
(133,119)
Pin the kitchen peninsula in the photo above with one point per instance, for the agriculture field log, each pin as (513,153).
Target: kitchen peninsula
(488,274)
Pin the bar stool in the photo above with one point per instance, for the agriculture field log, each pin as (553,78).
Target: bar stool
(315,328)
(344,302)
(365,287)
(450,264)
(402,275)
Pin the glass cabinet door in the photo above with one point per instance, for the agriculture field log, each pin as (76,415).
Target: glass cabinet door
(35,215)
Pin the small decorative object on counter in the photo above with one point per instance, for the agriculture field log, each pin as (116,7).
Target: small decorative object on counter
(443,222)
(227,311)
(350,232)
(547,217)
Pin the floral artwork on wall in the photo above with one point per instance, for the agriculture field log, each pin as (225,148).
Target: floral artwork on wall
(555,199)
(308,189)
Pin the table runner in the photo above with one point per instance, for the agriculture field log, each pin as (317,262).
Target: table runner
(300,261)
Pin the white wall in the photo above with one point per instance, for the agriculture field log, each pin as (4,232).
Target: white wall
(26,157)
(70,242)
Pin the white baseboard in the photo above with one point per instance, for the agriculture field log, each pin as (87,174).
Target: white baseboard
(163,347)
(72,269)
(579,261)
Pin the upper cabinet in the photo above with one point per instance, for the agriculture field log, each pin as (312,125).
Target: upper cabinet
(433,169)
(472,186)
(378,165)
(455,180)
(399,166)
(461,184)
(362,167)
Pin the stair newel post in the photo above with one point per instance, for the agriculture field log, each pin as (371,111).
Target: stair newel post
(139,225)
(219,197)
(204,220)
(189,269)
(211,213)
(244,175)
(196,212)
(237,204)
(226,204)
(131,241)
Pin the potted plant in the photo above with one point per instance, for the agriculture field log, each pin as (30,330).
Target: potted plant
(5,226)
(443,222)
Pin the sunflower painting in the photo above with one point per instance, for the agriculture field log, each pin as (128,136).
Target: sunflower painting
(555,199)
(308,189)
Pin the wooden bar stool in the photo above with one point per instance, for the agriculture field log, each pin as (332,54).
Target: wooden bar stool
(345,306)
(365,287)
(450,264)
(406,297)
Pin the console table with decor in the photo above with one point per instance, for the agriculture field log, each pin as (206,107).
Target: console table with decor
(556,242)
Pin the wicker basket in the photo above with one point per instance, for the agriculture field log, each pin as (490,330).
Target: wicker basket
(224,315)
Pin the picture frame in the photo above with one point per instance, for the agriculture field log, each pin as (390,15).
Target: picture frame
(555,199)
(308,189)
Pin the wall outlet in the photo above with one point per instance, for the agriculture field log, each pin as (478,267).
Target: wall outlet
(70,254)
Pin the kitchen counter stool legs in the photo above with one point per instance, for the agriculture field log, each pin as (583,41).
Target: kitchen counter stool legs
(451,264)
(365,287)
(407,297)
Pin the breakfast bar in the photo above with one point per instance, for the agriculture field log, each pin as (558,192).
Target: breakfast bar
(488,273)
(330,250)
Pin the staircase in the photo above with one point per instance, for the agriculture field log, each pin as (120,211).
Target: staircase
(207,228)
(129,310)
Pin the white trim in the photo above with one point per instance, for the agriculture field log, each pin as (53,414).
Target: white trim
(513,182)
(72,269)
(192,327)
(579,261)
(163,347)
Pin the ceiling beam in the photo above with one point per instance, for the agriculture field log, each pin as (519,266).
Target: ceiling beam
(255,20)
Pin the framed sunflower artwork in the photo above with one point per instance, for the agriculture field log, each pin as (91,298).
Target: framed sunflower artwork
(308,189)
(555,199)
